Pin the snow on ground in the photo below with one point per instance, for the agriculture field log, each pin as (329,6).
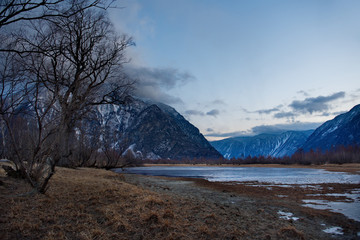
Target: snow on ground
(287,216)
(334,230)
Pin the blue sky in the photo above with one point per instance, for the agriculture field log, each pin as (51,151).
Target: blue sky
(237,67)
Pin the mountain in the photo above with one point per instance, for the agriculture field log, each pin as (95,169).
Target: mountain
(274,145)
(154,130)
(344,129)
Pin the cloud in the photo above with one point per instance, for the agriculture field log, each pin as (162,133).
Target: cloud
(213,112)
(303,93)
(317,104)
(194,112)
(279,128)
(218,102)
(266,129)
(285,115)
(326,114)
(245,110)
(264,111)
(229,134)
(153,83)
(268,111)
(210,130)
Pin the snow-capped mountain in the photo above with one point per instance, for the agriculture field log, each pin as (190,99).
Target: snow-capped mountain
(154,130)
(274,145)
(344,129)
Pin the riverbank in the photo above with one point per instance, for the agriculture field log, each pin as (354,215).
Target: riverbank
(97,204)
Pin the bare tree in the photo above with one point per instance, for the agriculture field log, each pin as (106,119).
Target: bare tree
(12,11)
(13,91)
(13,88)
(72,64)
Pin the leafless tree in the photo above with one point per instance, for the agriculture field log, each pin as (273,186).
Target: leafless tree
(12,11)
(85,143)
(72,64)
(13,88)
(13,91)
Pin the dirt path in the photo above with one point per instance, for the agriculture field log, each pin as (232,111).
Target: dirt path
(257,209)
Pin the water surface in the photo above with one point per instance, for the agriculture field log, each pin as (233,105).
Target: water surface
(244,174)
(284,177)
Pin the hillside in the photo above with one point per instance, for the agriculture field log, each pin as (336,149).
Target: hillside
(344,129)
(153,130)
(274,145)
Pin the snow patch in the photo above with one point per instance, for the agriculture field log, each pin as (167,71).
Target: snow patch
(152,156)
(130,152)
(334,230)
(329,131)
(287,216)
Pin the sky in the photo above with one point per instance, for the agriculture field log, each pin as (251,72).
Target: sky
(237,67)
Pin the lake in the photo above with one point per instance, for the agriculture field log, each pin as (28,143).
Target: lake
(245,174)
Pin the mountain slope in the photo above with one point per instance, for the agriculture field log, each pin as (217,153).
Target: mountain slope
(342,130)
(154,129)
(275,145)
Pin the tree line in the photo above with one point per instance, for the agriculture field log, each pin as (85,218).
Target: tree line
(337,155)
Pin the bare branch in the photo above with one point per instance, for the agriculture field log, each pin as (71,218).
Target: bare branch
(12,11)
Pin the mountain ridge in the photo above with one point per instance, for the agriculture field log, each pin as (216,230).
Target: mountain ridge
(265,144)
(154,129)
(344,129)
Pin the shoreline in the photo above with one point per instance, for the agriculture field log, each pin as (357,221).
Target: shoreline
(353,168)
(254,199)
(88,203)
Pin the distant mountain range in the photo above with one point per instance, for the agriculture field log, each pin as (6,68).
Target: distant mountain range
(342,130)
(157,131)
(275,144)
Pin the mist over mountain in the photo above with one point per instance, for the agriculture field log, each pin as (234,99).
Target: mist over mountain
(266,144)
(344,129)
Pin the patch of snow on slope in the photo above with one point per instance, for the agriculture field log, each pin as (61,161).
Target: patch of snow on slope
(330,130)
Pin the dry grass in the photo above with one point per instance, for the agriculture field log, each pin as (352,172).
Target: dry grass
(98,204)
(289,232)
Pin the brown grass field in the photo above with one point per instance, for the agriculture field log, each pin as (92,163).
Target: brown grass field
(97,204)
